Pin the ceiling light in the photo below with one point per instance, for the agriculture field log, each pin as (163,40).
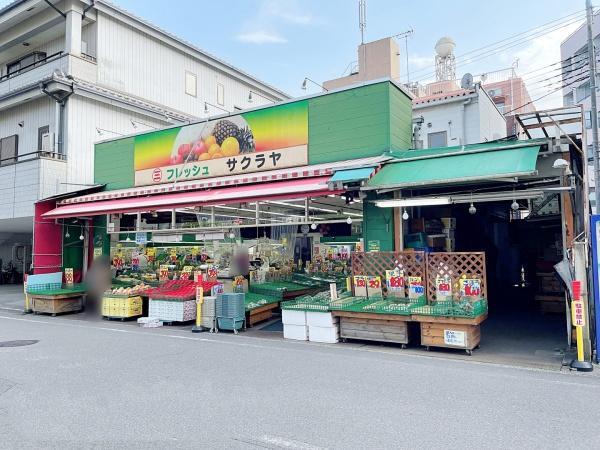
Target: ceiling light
(250,97)
(407,202)
(313,226)
(81,238)
(349,220)
(514,205)
(472,209)
(405,215)
(67,235)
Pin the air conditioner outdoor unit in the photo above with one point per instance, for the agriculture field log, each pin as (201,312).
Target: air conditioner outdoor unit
(47,141)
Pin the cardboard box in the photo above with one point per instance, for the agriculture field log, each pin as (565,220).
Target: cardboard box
(436,240)
(422,225)
(448,222)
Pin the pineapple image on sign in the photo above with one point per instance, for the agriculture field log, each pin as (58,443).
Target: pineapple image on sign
(205,141)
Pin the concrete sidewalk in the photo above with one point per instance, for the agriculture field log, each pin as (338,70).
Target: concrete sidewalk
(12,297)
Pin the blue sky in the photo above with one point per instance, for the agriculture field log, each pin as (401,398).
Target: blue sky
(282,41)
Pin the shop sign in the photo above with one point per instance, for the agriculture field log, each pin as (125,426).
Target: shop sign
(577,313)
(373,246)
(254,141)
(456,338)
(141,238)
(69,276)
(110,227)
(163,272)
(97,252)
(415,287)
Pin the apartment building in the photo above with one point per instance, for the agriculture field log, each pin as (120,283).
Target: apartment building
(76,72)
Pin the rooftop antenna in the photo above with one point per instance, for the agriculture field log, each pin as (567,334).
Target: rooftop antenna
(404,35)
(362,19)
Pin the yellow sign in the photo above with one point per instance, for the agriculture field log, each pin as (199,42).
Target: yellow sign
(163,273)
(151,252)
(577,313)
(194,251)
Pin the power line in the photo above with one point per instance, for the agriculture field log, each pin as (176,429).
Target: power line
(495,48)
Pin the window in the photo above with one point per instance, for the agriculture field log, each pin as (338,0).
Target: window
(587,116)
(27,62)
(8,149)
(582,91)
(500,105)
(191,85)
(220,94)
(495,92)
(43,134)
(568,99)
(439,139)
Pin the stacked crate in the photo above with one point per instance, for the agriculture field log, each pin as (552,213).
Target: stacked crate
(172,310)
(294,324)
(230,311)
(550,295)
(121,307)
(209,313)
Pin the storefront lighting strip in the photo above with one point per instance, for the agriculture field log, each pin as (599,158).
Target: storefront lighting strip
(408,202)
(314,208)
(458,199)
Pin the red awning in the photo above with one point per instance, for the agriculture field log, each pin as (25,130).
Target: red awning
(281,190)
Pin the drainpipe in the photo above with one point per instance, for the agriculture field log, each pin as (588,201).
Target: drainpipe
(61,102)
(464,120)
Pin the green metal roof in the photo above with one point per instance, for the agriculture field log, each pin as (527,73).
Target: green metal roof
(458,164)
(352,174)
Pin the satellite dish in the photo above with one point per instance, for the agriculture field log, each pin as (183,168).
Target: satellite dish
(466,82)
(445,46)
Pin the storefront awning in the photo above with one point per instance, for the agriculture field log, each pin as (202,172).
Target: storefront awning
(456,167)
(281,190)
(350,175)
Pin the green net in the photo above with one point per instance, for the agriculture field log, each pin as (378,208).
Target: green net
(253,301)
(56,289)
(451,308)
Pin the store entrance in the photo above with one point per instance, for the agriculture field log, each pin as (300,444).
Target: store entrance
(526,320)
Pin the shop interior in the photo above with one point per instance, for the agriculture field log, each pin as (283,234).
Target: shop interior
(520,232)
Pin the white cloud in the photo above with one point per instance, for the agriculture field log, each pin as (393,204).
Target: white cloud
(261,37)
(267,26)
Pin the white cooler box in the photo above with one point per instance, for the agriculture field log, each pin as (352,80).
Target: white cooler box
(292,317)
(296,332)
(321,319)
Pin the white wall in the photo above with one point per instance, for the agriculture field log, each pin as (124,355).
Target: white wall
(492,124)
(133,62)
(439,116)
(84,115)
(34,114)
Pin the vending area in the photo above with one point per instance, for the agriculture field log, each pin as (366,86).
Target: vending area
(309,219)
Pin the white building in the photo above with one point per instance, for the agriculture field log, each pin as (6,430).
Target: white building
(457,117)
(575,72)
(73,72)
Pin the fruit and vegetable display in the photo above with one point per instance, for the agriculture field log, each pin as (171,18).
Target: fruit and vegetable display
(129,291)
(226,138)
(179,290)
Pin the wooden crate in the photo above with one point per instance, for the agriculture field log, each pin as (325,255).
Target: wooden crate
(450,335)
(260,314)
(56,304)
(551,304)
(372,329)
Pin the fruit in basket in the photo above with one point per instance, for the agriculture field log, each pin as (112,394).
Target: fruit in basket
(230,147)
(224,129)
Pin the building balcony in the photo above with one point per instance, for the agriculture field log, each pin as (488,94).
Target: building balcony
(27,179)
(83,67)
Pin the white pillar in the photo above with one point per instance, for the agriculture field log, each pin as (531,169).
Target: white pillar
(73,33)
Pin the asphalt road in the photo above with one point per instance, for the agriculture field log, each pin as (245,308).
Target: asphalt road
(112,385)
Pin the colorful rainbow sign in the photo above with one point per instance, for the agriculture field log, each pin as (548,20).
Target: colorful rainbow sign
(265,139)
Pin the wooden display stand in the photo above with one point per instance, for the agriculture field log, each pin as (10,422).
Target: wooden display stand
(260,314)
(56,304)
(373,327)
(450,332)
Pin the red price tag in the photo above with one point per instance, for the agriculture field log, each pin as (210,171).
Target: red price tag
(374,283)
(360,282)
(396,282)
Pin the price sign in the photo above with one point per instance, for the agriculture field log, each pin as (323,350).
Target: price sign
(394,280)
(173,255)
(199,295)
(360,286)
(216,289)
(359,248)
(198,277)
(135,262)
(69,276)
(151,253)
(186,272)
(163,273)
(415,287)
(443,288)
(373,286)
(212,273)
(118,262)
(456,338)
(470,287)
(330,253)
(141,238)
(194,251)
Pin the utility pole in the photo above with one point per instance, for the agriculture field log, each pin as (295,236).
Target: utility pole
(594,108)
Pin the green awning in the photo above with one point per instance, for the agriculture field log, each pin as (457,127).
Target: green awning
(457,167)
(348,175)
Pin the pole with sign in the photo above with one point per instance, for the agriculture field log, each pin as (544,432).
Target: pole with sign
(578,319)
(198,328)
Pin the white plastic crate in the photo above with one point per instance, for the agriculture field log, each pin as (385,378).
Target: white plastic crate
(296,332)
(321,319)
(172,311)
(292,317)
(328,335)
